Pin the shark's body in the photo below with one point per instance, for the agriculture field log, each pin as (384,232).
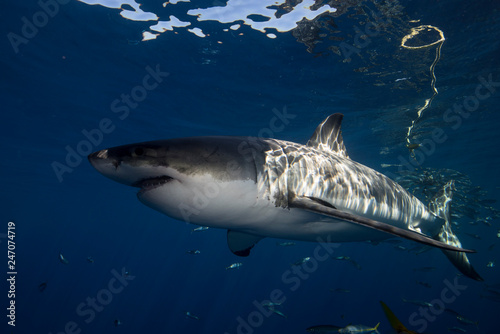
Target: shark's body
(259,188)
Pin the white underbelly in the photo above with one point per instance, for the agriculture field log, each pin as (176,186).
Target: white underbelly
(298,224)
(237,206)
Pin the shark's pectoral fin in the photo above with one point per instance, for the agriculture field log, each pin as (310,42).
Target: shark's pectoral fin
(241,243)
(309,204)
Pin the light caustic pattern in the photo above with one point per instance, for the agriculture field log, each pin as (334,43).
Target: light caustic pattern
(235,11)
(439,43)
(292,169)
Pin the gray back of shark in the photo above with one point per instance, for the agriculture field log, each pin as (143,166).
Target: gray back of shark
(257,188)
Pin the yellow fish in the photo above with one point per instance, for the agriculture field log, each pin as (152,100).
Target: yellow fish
(395,323)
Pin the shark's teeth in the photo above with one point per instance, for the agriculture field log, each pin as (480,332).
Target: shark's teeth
(152,182)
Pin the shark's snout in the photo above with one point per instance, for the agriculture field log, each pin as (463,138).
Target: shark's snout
(101,159)
(110,166)
(102,154)
(127,165)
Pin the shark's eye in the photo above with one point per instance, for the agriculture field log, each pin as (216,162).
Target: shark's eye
(138,151)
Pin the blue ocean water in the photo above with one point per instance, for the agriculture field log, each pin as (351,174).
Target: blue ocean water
(79,78)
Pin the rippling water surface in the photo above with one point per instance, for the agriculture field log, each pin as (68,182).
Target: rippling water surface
(418,84)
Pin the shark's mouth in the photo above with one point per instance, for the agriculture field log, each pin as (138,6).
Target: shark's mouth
(152,182)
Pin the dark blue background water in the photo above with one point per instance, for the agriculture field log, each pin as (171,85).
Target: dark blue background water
(65,79)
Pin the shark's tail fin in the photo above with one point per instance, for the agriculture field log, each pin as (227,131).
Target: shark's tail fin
(440,206)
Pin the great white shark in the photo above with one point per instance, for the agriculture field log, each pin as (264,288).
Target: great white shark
(256,188)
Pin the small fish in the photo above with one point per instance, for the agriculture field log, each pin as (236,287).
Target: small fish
(462,318)
(278,313)
(491,297)
(117,322)
(493,291)
(392,241)
(236,265)
(475,236)
(423,250)
(90,259)
(301,261)
(457,330)
(285,244)
(352,329)
(411,147)
(494,286)
(42,287)
(490,264)
(63,259)
(417,302)
(427,285)
(347,258)
(399,247)
(357,265)
(193,252)
(272,307)
(415,249)
(192,316)
(198,229)
(467,321)
(323,329)
(425,269)
(498,234)
(485,222)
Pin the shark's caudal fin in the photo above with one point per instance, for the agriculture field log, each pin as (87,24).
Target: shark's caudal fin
(440,206)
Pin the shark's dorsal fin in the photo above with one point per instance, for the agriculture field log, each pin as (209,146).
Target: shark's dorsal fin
(328,136)
(241,243)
